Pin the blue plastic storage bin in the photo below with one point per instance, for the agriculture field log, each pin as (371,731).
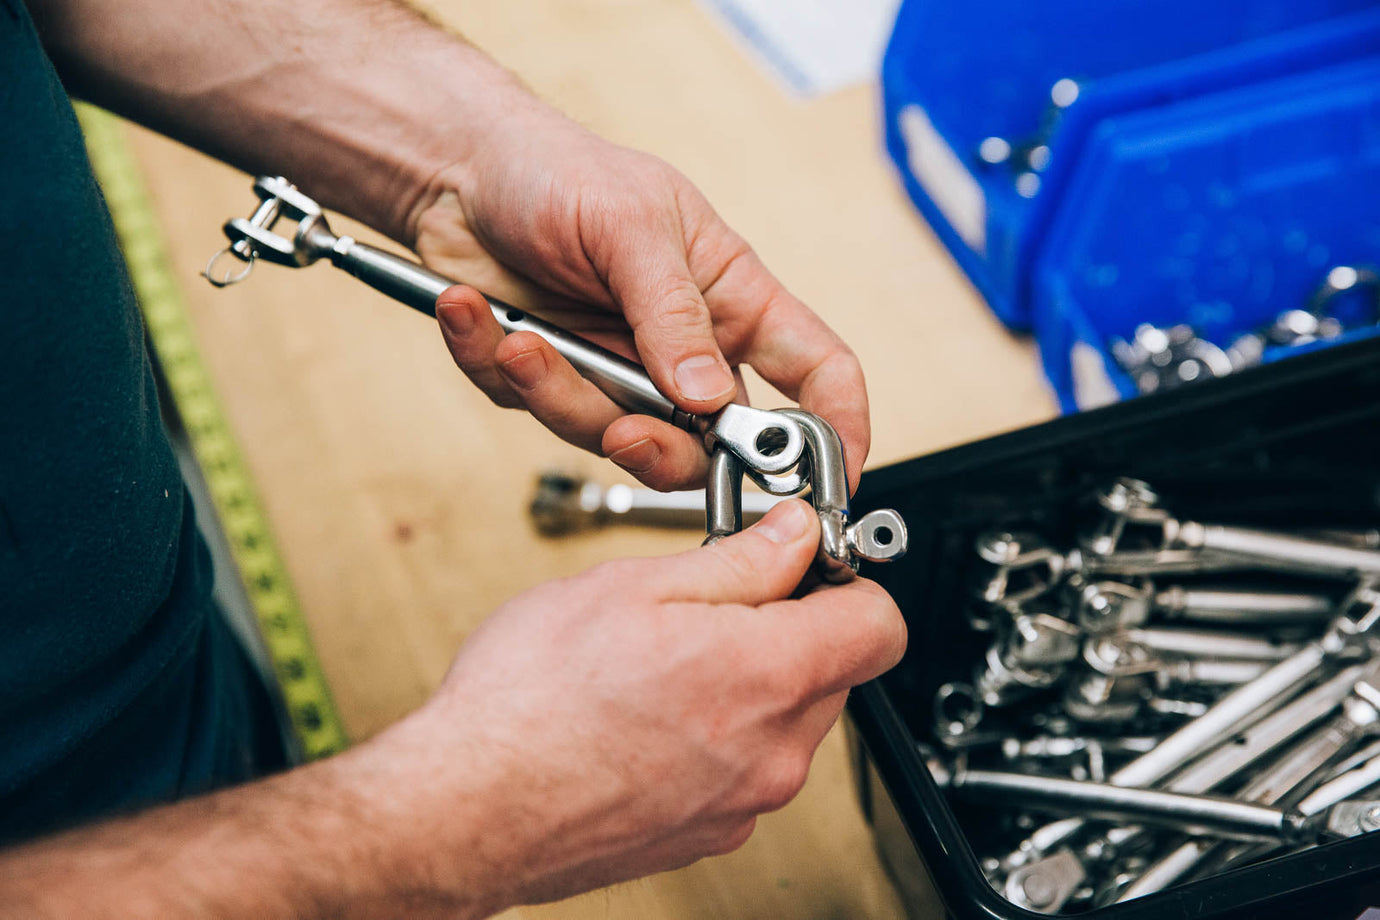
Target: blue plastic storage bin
(1219,212)
(956,74)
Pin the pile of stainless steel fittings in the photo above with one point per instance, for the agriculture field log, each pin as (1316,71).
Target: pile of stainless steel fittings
(1163,357)
(1163,701)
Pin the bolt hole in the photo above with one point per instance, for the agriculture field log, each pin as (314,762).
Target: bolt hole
(883,536)
(772,441)
(516,316)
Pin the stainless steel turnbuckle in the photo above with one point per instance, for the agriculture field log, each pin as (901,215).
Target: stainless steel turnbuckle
(765,441)
(785,450)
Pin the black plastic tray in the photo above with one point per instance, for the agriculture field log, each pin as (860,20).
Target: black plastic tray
(1297,442)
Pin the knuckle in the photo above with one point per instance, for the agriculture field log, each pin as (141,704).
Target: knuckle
(844,363)
(878,631)
(889,632)
(612,570)
(639,194)
(727,253)
(792,675)
(804,679)
(681,307)
(654,171)
(731,838)
(781,781)
(560,416)
(837,379)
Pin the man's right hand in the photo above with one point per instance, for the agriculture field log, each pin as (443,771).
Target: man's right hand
(639,716)
(597,728)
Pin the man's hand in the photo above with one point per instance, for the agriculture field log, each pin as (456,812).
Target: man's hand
(377,113)
(619,246)
(639,716)
(621,722)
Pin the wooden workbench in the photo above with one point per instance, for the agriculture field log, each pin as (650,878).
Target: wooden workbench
(398,492)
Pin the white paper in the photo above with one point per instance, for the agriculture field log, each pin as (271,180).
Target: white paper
(814,46)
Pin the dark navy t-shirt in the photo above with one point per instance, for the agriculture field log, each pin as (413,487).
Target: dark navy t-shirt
(119,685)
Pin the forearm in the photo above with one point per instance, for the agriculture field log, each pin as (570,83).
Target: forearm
(334,839)
(363,102)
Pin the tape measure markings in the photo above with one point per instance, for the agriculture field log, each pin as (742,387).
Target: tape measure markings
(313,714)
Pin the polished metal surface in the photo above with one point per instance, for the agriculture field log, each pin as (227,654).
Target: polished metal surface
(1284,778)
(1278,550)
(1245,748)
(1131,505)
(1049,889)
(764,440)
(723,496)
(1343,787)
(1358,718)
(1208,644)
(1235,607)
(1187,812)
(564,503)
(1234,711)
(769,446)
(1042,640)
(878,536)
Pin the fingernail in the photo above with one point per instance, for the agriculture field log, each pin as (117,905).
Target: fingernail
(638,457)
(786,523)
(455,319)
(526,370)
(703,377)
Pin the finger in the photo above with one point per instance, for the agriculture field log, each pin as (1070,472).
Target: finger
(763,563)
(794,350)
(472,334)
(658,454)
(553,391)
(835,390)
(674,333)
(661,455)
(837,636)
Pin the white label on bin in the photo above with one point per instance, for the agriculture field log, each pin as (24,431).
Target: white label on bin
(1092,385)
(945,179)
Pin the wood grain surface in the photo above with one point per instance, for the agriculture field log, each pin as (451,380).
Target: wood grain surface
(398,493)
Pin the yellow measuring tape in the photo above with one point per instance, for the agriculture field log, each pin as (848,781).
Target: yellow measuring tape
(309,705)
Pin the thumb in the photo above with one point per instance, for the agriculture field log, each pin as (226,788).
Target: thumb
(671,325)
(763,563)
